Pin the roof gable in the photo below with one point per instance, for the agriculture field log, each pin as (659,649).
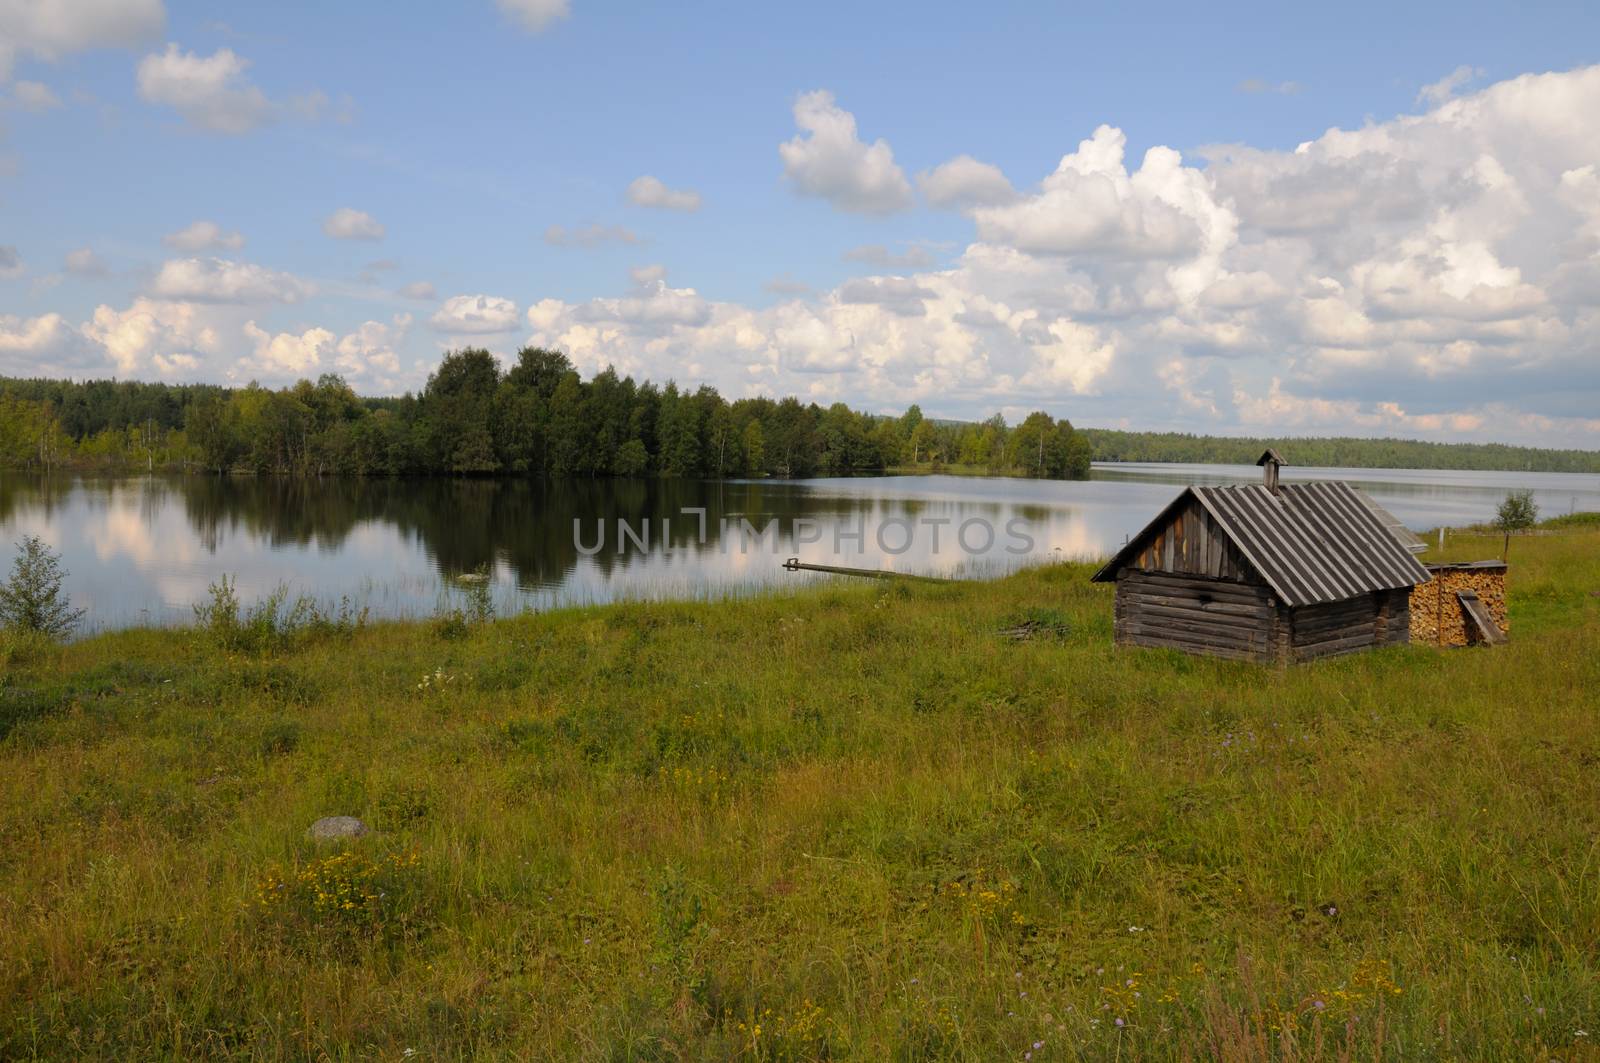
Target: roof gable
(1312,542)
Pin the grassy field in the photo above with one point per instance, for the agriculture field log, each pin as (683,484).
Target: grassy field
(853,822)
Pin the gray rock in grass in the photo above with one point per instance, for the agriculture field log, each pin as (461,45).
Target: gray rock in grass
(336,828)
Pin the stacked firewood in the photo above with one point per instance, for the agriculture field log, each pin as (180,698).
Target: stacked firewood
(1437,618)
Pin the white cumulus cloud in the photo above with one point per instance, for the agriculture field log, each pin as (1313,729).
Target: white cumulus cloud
(211,92)
(649,191)
(50,29)
(1093,205)
(219,280)
(153,334)
(1447,86)
(827,160)
(535,15)
(36,346)
(368,353)
(287,352)
(1430,275)
(347,223)
(34,96)
(963,183)
(85,263)
(468,315)
(203,236)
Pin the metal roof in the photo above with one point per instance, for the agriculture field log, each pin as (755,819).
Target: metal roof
(1311,542)
(1402,534)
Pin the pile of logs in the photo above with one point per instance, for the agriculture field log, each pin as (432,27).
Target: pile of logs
(1437,618)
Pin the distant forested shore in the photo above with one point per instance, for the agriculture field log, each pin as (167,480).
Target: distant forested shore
(1337,451)
(539,417)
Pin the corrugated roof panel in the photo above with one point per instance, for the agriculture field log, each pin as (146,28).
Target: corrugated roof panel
(1404,535)
(1316,542)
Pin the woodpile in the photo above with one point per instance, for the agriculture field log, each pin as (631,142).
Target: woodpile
(1437,618)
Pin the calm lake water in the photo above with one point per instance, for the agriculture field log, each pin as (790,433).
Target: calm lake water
(143,550)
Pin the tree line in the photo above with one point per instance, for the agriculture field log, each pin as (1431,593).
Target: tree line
(538,417)
(1335,452)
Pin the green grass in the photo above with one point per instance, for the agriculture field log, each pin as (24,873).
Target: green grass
(1568,521)
(856,818)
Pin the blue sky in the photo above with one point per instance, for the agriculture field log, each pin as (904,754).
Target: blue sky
(1351,287)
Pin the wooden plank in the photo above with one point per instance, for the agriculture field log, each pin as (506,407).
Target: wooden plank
(1362,606)
(1157,627)
(1199,590)
(1336,646)
(1321,627)
(1480,623)
(1167,641)
(1363,636)
(1200,627)
(1232,627)
(1171,601)
(1217,588)
(1228,628)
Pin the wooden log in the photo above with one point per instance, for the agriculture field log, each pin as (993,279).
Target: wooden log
(1170,601)
(1219,589)
(1167,641)
(1322,628)
(1222,626)
(1191,634)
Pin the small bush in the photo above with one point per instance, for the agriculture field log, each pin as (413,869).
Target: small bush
(403,804)
(1572,520)
(20,650)
(451,622)
(348,895)
(280,737)
(31,600)
(274,624)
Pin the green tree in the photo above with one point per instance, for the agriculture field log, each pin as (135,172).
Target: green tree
(754,445)
(1517,513)
(32,600)
(631,460)
(455,409)
(214,430)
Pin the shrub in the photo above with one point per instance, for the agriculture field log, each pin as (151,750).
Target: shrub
(274,623)
(455,621)
(350,894)
(31,600)
(1517,513)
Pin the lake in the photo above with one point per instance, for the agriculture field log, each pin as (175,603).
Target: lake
(143,550)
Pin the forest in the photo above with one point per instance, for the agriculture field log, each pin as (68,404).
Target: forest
(1335,452)
(540,418)
(537,418)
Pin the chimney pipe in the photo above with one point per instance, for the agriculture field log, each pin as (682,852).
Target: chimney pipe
(1270,462)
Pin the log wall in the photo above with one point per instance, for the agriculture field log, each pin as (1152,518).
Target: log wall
(1220,618)
(1436,616)
(1242,621)
(1339,627)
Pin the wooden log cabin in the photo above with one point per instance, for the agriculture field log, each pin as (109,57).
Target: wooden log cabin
(1266,572)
